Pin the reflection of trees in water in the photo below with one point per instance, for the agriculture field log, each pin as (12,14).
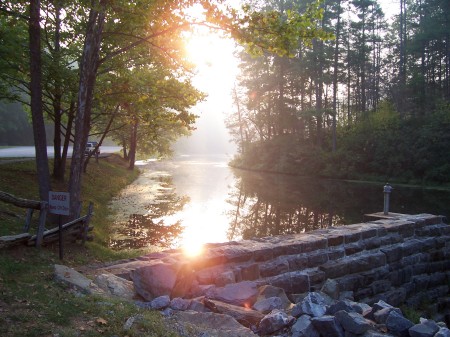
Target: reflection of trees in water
(271,204)
(268,205)
(151,229)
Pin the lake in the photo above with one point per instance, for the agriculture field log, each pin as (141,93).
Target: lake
(191,200)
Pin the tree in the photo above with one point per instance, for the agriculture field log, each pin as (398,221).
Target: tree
(40,142)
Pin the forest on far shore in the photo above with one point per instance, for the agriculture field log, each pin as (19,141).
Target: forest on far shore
(371,104)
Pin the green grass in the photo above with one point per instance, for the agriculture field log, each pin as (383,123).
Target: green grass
(31,302)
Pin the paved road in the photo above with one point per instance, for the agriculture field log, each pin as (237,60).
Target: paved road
(29,152)
(22,153)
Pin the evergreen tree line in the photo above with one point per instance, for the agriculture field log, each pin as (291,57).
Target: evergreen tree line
(371,103)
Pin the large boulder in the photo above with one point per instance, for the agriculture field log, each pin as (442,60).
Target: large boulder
(155,280)
(303,327)
(314,304)
(242,294)
(274,321)
(208,324)
(245,316)
(75,280)
(268,291)
(115,286)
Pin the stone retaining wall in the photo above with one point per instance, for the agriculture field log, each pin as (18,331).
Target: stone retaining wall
(400,260)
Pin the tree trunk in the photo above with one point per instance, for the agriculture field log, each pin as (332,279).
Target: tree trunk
(88,74)
(335,74)
(40,141)
(58,173)
(133,145)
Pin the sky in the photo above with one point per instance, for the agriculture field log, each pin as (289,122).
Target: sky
(216,71)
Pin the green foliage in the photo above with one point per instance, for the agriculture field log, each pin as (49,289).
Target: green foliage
(383,147)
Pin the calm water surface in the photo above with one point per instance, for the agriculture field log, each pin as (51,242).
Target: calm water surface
(191,200)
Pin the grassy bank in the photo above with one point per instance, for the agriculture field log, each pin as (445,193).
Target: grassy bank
(31,303)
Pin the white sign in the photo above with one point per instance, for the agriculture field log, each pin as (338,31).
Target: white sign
(59,203)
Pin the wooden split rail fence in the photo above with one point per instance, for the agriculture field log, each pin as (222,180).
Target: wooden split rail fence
(76,229)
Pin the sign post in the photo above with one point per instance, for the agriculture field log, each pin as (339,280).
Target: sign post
(59,203)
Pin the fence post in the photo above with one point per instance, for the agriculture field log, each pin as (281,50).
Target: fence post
(85,227)
(26,227)
(42,218)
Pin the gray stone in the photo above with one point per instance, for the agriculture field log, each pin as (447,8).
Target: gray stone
(131,320)
(426,328)
(242,293)
(353,322)
(225,278)
(268,291)
(443,332)
(155,280)
(210,324)
(381,315)
(179,303)
(76,280)
(328,326)
(373,333)
(275,321)
(245,316)
(303,327)
(160,302)
(198,305)
(115,286)
(313,304)
(361,308)
(273,268)
(266,305)
(331,288)
(340,305)
(397,324)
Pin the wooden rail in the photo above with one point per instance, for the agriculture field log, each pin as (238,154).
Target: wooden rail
(76,229)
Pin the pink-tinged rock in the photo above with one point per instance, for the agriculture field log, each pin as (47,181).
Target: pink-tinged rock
(155,280)
(241,294)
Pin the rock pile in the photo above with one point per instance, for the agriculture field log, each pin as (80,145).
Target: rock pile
(248,310)
(315,314)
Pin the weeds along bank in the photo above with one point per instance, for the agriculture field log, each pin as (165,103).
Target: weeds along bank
(31,303)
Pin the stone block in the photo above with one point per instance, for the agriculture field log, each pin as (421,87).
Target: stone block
(363,293)
(335,269)
(414,259)
(411,247)
(350,237)
(393,253)
(353,248)
(350,282)
(288,248)
(421,268)
(316,276)
(328,326)
(335,240)
(376,274)
(297,262)
(225,278)
(316,259)
(314,244)
(335,254)
(380,286)
(250,272)
(368,233)
(437,279)
(400,276)
(263,254)
(372,243)
(421,281)
(274,267)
